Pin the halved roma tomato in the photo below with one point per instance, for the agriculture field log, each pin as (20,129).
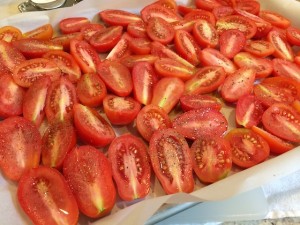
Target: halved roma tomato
(91,127)
(160,30)
(151,118)
(156,10)
(212,160)
(46,198)
(20,146)
(222,11)
(130,60)
(88,173)
(200,123)
(131,169)
(259,48)
(184,24)
(117,17)
(282,120)
(286,68)
(248,148)
(137,29)
(231,42)
(197,14)
(120,110)
(10,33)
(72,24)
(207,4)
(199,101)
(64,40)
(169,4)
(140,46)
(293,35)
(121,49)
(89,29)
(44,32)
(249,6)
(171,161)
(205,34)
(276,19)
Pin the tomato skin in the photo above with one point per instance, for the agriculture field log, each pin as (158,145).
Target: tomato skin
(178,156)
(248,148)
(89,29)
(212,160)
(293,35)
(205,34)
(130,60)
(151,118)
(222,11)
(259,48)
(155,10)
(88,173)
(137,29)
(116,17)
(91,127)
(275,19)
(72,24)
(249,6)
(130,166)
(160,30)
(282,120)
(40,207)
(231,42)
(199,101)
(200,123)
(207,4)
(120,110)
(44,32)
(65,39)
(140,46)
(197,14)
(10,33)
(285,68)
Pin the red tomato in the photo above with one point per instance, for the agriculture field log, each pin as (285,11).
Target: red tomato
(11,97)
(121,49)
(20,146)
(65,39)
(275,18)
(212,160)
(44,32)
(184,24)
(248,111)
(282,120)
(238,84)
(10,33)
(201,123)
(197,14)
(155,10)
(285,68)
(249,6)
(88,173)
(61,97)
(222,11)
(206,80)
(46,198)
(73,24)
(144,79)
(169,4)
(205,34)
(213,57)
(167,93)
(35,100)
(120,110)
(140,46)
(199,101)
(151,118)
(117,17)
(171,161)
(207,4)
(160,30)
(91,90)
(137,29)
(259,48)
(248,148)
(183,9)
(89,29)
(34,69)
(293,35)
(85,55)
(66,63)
(277,145)
(91,127)
(231,42)
(130,166)
(116,76)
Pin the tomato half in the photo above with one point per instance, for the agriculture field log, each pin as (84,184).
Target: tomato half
(222,11)
(64,39)
(89,29)
(293,35)
(205,34)
(197,14)
(207,4)
(72,24)
(155,10)
(44,32)
(117,17)
(212,160)
(121,49)
(130,60)
(88,173)
(199,101)
(171,161)
(259,48)
(137,29)
(10,33)
(131,169)
(20,146)
(285,68)
(231,42)
(46,198)
(140,46)
(160,30)
(200,123)
(249,6)
(248,148)
(276,19)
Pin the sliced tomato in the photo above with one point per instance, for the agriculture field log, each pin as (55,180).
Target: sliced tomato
(249,6)
(167,93)
(293,35)
(121,49)
(201,123)
(169,4)
(171,161)
(61,98)
(91,127)
(89,29)
(151,118)
(213,57)
(46,198)
(130,166)
(91,90)
(248,148)
(117,17)
(259,48)
(140,46)
(130,60)
(44,32)
(72,24)
(276,19)
(277,145)
(184,24)
(35,100)
(85,55)
(137,29)
(88,173)
(144,79)
(65,39)
(67,64)
(212,160)
(156,10)
(285,68)
(197,14)
(282,120)
(116,76)
(199,101)
(58,139)
(205,34)
(20,146)
(207,4)
(10,33)
(160,30)
(120,110)
(33,69)
(206,80)
(222,11)
(184,9)
(231,42)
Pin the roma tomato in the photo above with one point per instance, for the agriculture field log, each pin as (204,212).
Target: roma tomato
(212,160)
(275,18)
(156,10)
(88,173)
(89,29)
(130,60)
(140,46)
(171,161)
(285,68)
(231,42)
(151,118)
(117,17)
(249,6)
(10,33)
(205,34)
(160,30)
(20,147)
(248,148)
(65,39)
(199,101)
(222,11)
(91,127)
(130,166)
(44,32)
(207,4)
(57,206)
(137,29)
(197,14)
(259,48)
(72,24)
(121,49)
(293,35)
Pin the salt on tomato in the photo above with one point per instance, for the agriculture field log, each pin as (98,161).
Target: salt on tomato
(286,68)
(231,42)
(199,101)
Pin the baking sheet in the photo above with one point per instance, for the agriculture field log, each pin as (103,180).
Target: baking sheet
(139,212)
